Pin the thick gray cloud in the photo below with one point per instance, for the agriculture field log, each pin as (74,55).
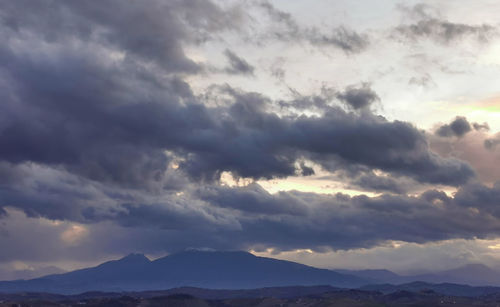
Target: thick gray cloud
(224,217)
(250,217)
(458,127)
(78,109)
(151,33)
(358,97)
(265,145)
(371,182)
(476,147)
(115,125)
(99,126)
(430,25)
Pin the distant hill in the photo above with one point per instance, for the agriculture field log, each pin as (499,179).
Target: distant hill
(443,288)
(213,270)
(376,276)
(470,274)
(29,273)
(276,292)
(282,296)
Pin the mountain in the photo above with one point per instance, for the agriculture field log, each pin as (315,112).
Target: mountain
(214,270)
(29,273)
(376,276)
(470,274)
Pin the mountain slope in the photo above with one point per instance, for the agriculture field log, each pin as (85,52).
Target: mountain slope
(376,276)
(216,270)
(470,274)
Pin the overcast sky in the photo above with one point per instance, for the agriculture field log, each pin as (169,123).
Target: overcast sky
(341,134)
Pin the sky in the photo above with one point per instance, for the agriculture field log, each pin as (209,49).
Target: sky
(339,134)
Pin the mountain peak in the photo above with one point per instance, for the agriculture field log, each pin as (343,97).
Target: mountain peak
(135,257)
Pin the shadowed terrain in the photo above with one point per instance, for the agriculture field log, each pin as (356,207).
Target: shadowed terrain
(215,270)
(273,297)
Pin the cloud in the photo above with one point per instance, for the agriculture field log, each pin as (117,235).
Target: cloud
(358,98)
(346,39)
(424,81)
(238,65)
(158,37)
(117,123)
(306,170)
(250,218)
(371,182)
(244,138)
(343,222)
(105,146)
(472,148)
(458,127)
(290,30)
(263,145)
(481,127)
(429,25)
(492,143)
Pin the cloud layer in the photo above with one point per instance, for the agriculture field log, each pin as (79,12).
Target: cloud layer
(103,129)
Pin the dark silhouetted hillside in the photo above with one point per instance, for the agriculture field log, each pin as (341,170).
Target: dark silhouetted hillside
(215,270)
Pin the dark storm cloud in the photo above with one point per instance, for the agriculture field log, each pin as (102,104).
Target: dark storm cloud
(306,170)
(371,182)
(258,144)
(237,65)
(458,127)
(429,25)
(372,141)
(225,217)
(289,30)
(95,128)
(291,220)
(111,120)
(115,125)
(249,217)
(99,126)
(358,97)
(151,33)
(342,222)
(157,37)
(54,195)
(253,198)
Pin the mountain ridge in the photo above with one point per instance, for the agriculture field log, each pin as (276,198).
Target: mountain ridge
(203,269)
(473,274)
(230,270)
